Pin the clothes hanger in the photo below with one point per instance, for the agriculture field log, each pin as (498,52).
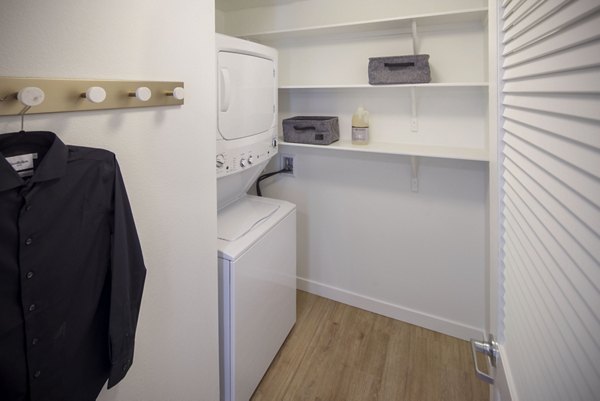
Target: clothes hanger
(22,114)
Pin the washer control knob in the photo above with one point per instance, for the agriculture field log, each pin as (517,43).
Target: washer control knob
(274,142)
(250,159)
(243,163)
(220,160)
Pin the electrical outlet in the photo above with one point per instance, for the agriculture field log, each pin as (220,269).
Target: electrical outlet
(414,125)
(286,161)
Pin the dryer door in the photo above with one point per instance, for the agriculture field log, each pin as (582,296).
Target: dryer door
(247,95)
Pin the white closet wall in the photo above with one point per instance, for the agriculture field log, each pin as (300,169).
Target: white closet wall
(551,72)
(364,237)
(219,21)
(165,156)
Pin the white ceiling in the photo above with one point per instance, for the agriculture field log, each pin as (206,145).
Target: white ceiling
(231,5)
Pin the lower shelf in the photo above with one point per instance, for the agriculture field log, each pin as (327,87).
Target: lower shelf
(445,152)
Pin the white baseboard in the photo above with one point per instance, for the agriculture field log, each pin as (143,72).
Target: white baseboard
(398,312)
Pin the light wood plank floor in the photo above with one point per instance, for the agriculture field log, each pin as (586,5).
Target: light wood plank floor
(340,353)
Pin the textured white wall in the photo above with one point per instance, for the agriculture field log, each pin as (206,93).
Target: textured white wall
(166,155)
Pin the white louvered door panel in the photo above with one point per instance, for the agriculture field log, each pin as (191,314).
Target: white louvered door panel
(551,198)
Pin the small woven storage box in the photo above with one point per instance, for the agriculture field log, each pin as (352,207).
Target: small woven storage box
(313,130)
(399,70)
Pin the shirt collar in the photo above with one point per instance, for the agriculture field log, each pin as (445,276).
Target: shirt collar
(53,165)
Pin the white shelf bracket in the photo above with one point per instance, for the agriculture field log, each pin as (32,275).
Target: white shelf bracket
(414,173)
(414,121)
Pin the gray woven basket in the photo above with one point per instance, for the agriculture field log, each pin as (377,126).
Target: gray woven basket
(315,130)
(399,70)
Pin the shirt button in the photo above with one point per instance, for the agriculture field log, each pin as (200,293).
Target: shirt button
(35,341)
(37,374)
(27,208)
(28,241)
(31,307)
(29,275)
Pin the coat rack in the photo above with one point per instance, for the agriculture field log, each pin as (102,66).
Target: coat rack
(49,95)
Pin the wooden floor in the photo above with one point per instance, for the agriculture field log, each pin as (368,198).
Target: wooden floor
(340,353)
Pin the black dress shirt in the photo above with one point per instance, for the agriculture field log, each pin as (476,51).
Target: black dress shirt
(71,271)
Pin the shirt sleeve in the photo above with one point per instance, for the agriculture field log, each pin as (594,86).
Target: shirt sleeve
(127,275)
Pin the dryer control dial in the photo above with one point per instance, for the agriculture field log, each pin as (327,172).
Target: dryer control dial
(243,163)
(220,160)
(274,143)
(250,159)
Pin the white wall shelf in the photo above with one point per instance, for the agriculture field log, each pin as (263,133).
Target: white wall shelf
(445,152)
(321,67)
(424,22)
(367,86)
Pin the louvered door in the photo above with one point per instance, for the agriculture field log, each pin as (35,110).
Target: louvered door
(551,197)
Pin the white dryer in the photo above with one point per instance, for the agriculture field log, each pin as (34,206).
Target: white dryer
(256,236)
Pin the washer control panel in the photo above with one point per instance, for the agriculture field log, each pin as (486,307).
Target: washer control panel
(233,160)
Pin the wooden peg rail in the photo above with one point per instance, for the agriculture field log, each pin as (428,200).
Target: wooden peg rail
(65,95)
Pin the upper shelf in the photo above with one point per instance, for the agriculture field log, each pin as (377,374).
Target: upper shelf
(484,85)
(445,152)
(423,21)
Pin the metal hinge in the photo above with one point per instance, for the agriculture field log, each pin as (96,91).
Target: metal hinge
(490,349)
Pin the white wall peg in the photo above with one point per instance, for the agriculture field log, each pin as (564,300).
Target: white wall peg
(178,93)
(143,93)
(31,96)
(414,173)
(95,94)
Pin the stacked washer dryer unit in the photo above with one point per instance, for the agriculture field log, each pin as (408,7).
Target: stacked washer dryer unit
(256,236)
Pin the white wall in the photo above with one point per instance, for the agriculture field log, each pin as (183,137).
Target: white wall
(363,237)
(166,155)
(219,21)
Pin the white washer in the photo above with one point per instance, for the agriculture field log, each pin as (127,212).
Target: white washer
(257,273)
(256,236)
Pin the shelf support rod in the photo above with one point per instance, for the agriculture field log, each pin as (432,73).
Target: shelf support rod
(414,173)
(414,121)
(414,36)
